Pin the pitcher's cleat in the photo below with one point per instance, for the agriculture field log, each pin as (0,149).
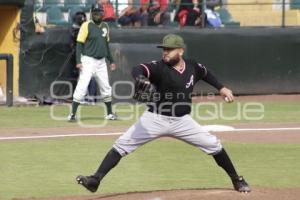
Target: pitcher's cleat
(91,183)
(241,185)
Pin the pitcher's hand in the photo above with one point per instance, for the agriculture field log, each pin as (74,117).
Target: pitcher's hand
(227,95)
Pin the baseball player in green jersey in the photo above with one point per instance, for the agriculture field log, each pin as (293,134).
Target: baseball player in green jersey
(91,51)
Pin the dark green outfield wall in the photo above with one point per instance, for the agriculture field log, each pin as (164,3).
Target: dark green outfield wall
(12,2)
(250,60)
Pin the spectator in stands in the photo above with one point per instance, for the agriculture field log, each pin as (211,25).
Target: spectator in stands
(189,13)
(212,18)
(211,4)
(157,12)
(131,15)
(144,12)
(122,4)
(109,11)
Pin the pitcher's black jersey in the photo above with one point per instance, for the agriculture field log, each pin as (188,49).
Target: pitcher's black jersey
(174,87)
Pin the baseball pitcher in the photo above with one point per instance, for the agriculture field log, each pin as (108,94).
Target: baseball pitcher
(166,86)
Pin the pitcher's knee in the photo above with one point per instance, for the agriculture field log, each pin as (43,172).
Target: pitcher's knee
(213,148)
(123,149)
(216,150)
(107,98)
(77,97)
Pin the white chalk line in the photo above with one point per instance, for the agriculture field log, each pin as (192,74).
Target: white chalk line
(119,133)
(58,136)
(267,129)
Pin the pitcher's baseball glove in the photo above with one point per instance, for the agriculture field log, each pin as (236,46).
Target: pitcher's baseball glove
(144,90)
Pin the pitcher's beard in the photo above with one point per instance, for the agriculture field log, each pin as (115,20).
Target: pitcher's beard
(172,62)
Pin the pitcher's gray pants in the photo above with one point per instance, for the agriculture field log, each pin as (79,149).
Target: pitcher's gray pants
(151,126)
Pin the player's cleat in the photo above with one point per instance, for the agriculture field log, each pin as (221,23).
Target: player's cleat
(241,185)
(111,116)
(71,117)
(91,183)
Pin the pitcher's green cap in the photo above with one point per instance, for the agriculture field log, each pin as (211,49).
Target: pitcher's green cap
(172,41)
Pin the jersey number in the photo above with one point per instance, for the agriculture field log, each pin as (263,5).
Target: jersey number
(104,30)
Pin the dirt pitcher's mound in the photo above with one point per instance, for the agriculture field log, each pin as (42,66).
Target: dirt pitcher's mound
(196,194)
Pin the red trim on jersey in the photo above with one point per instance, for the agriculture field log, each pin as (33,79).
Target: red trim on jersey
(147,70)
(182,70)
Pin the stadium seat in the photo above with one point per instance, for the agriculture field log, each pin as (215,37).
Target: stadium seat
(73,3)
(295,4)
(49,3)
(226,18)
(88,4)
(55,16)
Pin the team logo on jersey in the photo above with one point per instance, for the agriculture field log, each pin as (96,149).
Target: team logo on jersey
(191,82)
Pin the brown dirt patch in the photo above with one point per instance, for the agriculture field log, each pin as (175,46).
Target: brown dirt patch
(266,137)
(195,194)
(14,132)
(291,97)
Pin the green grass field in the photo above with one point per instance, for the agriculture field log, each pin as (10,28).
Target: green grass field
(44,168)
(41,117)
(47,168)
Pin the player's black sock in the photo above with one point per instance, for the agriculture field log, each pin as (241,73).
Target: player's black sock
(75,107)
(224,161)
(111,159)
(108,107)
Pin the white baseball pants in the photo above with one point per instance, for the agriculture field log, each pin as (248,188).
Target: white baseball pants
(92,67)
(151,126)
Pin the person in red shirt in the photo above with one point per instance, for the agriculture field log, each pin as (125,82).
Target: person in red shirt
(109,11)
(189,13)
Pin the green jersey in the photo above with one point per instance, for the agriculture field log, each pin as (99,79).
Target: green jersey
(93,41)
